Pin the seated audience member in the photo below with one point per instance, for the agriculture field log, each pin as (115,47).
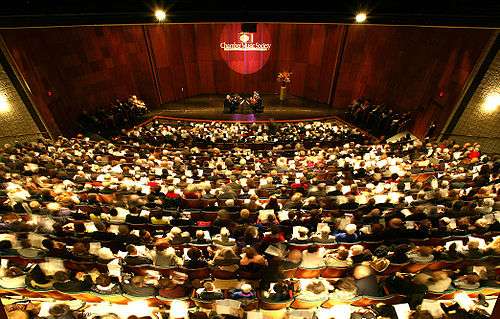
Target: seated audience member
(403,284)
(273,204)
(104,285)
(191,192)
(138,288)
(177,237)
(359,254)
(345,289)
(349,236)
(422,254)
(79,283)
(468,282)
(226,259)
(295,202)
(399,255)
(279,292)
(312,257)
(315,290)
(169,289)
(244,218)
(437,281)
(253,204)
(12,278)
(473,251)
(167,258)
(209,293)
(324,236)
(251,260)
(250,237)
(223,238)
(339,258)
(134,259)
(244,292)
(200,238)
(195,260)
(61,311)
(274,235)
(36,278)
(366,282)
(293,259)
(81,253)
(302,237)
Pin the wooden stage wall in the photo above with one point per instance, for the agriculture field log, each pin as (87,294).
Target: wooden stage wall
(72,69)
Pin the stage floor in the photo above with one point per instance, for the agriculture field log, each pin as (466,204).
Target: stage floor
(211,107)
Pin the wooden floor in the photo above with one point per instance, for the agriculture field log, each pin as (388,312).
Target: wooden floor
(210,107)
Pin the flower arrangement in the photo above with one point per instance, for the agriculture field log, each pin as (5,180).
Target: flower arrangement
(284,78)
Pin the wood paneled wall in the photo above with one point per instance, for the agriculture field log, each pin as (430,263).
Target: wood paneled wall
(82,67)
(408,68)
(88,67)
(187,57)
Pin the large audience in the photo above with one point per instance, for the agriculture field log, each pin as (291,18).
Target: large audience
(270,216)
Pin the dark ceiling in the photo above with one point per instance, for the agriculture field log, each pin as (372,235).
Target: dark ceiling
(17,13)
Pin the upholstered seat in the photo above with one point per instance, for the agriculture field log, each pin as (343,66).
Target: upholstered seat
(308,272)
(334,272)
(197,273)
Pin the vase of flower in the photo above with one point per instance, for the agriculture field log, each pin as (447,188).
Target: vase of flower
(284,79)
(282,93)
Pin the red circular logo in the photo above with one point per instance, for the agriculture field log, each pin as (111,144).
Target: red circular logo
(245,52)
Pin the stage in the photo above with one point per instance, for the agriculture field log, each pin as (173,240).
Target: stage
(211,107)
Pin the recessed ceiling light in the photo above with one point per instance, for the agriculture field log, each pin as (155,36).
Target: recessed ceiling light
(361,17)
(160,15)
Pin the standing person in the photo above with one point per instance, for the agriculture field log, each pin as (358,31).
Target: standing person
(431,130)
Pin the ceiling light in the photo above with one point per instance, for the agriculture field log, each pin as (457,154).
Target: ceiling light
(361,17)
(160,15)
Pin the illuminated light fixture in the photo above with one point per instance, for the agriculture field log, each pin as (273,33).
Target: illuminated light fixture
(361,17)
(491,103)
(160,15)
(4,104)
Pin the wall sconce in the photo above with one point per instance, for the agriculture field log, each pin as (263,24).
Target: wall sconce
(491,102)
(4,104)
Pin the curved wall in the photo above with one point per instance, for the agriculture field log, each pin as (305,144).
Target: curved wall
(72,69)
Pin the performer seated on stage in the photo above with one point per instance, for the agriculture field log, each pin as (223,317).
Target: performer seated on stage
(233,101)
(256,103)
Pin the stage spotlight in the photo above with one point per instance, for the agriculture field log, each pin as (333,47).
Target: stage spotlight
(160,15)
(491,103)
(361,17)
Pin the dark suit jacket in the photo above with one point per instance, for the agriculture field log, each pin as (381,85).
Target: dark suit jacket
(146,291)
(211,295)
(368,286)
(74,285)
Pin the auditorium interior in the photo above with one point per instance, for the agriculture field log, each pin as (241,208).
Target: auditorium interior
(249,159)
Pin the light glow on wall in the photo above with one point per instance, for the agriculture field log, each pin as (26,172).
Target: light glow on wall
(491,103)
(4,104)
(245,52)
